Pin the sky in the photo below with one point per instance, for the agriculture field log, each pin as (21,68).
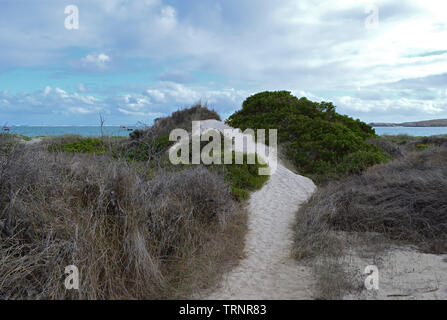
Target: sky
(66,62)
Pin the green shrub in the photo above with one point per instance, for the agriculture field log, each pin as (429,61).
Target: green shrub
(136,134)
(320,142)
(422,146)
(239,194)
(7,143)
(357,162)
(84,145)
(244,178)
(6,147)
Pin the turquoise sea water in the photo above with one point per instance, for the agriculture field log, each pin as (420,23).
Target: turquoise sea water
(86,131)
(93,131)
(412,131)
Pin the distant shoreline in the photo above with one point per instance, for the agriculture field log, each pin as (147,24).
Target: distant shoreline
(425,123)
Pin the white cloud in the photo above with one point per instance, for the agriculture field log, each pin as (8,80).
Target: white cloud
(179,95)
(100,60)
(50,101)
(63,94)
(295,45)
(140,114)
(163,98)
(391,110)
(80,110)
(156,95)
(168,18)
(430,109)
(309,47)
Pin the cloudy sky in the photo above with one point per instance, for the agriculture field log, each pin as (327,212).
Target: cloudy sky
(135,60)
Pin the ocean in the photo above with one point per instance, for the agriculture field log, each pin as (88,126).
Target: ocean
(86,131)
(95,131)
(412,131)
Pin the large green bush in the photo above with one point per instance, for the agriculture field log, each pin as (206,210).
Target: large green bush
(321,143)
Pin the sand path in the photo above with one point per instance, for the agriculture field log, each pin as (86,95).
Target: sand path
(268,271)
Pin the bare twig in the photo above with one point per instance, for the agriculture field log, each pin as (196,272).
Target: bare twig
(101,121)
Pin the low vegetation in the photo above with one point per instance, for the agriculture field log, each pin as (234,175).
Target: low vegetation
(404,200)
(6,142)
(82,145)
(14,136)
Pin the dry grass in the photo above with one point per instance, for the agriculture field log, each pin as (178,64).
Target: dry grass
(332,279)
(184,117)
(405,201)
(393,149)
(180,119)
(129,237)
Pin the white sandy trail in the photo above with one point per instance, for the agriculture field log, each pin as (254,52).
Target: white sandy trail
(268,271)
